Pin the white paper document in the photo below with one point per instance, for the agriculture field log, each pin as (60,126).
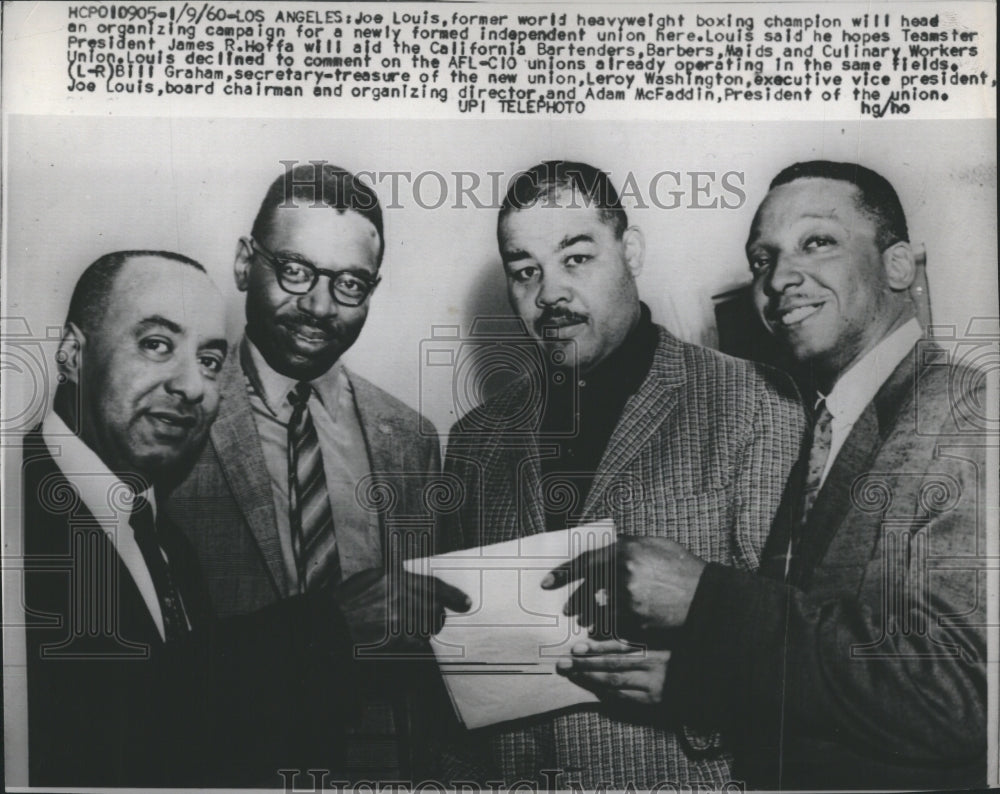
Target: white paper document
(499,659)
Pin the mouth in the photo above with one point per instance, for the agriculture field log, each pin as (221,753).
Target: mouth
(790,317)
(558,327)
(171,423)
(309,335)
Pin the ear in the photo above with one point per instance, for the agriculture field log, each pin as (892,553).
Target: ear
(900,266)
(635,249)
(241,263)
(69,356)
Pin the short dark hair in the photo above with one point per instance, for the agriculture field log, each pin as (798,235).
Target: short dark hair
(339,189)
(92,293)
(546,180)
(876,197)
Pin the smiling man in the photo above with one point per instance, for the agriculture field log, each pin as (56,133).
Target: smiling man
(304,450)
(665,437)
(857,658)
(131,679)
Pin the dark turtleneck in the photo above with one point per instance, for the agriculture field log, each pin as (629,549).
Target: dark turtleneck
(591,407)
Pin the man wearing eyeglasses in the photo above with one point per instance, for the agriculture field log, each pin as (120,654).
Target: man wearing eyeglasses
(290,496)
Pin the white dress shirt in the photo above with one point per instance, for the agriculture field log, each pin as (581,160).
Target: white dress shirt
(108,499)
(858,385)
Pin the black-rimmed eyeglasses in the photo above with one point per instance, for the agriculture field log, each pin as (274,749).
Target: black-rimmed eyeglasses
(347,287)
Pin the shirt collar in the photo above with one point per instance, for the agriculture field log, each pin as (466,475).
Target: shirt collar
(860,383)
(273,387)
(85,470)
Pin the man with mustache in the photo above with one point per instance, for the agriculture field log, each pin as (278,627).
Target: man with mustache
(312,473)
(131,679)
(856,658)
(665,437)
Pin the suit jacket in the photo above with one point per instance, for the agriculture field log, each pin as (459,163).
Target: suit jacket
(867,669)
(110,704)
(226,508)
(700,455)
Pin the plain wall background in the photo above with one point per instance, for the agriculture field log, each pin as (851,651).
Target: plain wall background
(80,187)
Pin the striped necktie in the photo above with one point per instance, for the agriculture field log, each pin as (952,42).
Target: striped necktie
(143,524)
(314,542)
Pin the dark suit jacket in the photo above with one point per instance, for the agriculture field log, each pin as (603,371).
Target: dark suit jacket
(700,455)
(868,668)
(109,704)
(226,509)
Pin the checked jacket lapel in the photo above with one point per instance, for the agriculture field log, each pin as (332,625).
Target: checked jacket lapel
(643,416)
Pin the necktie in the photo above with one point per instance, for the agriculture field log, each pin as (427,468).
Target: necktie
(819,452)
(314,543)
(144,528)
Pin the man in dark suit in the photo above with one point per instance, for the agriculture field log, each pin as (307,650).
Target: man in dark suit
(131,680)
(857,658)
(309,268)
(665,437)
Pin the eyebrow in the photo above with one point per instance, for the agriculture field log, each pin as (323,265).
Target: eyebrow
(564,243)
(514,256)
(754,235)
(158,321)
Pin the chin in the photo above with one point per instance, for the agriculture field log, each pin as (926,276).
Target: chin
(169,467)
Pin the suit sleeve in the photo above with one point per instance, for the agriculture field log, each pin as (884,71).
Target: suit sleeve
(259,692)
(896,668)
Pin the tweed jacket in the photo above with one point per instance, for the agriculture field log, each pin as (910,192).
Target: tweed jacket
(867,668)
(701,455)
(227,508)
(111,704)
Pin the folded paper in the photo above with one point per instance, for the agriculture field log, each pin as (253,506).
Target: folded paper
(499,659)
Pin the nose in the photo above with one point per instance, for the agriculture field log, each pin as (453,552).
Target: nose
(319,300)
(553,288)
(187,381)
(784,274)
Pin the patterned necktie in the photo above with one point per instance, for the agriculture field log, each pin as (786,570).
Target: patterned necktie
(314,543)
(144,528)
(819,452)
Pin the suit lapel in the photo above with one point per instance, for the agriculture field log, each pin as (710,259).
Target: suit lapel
(241,457)
(376,426)
(381,446)
(773,555)
(70,536)
(855,458)
(512,467)
(643,416)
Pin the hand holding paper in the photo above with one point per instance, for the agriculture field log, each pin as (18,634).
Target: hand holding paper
(396,618)
(639,584)
(615,670)
(499,659)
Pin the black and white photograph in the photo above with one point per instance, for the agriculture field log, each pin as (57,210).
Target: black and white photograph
(500,396)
